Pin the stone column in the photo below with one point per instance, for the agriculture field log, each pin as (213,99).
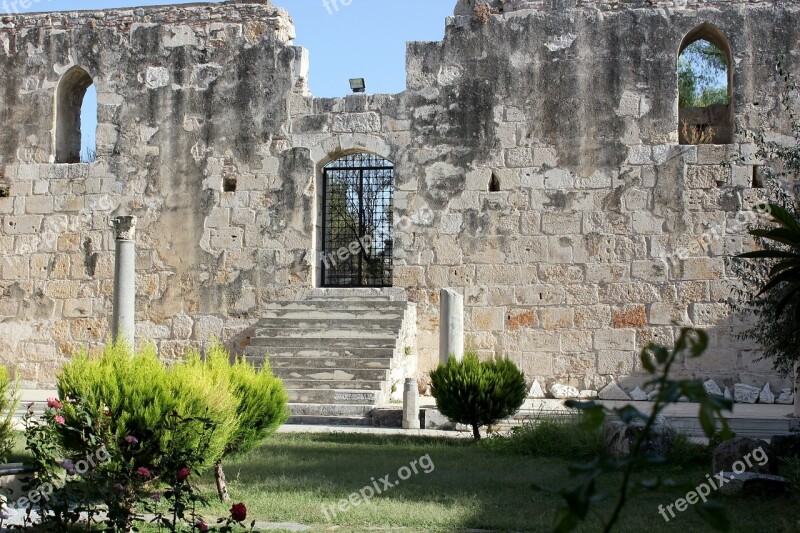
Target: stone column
(451,325)
(123,323)
(410,404)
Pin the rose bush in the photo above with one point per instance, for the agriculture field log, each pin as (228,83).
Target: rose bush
(157,425)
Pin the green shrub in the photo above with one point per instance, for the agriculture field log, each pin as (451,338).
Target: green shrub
(8,404)
(262,405)
(139,393)
(155,424)
(561,436)
(259,396)
(243,405)
(478,393)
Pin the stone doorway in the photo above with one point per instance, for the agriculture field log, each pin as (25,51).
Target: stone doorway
(357,236)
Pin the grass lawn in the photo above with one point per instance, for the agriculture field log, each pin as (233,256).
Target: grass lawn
(292,476)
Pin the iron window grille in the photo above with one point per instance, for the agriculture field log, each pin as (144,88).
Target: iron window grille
(357,228)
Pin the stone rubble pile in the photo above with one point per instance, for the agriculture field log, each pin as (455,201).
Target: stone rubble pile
(742,393)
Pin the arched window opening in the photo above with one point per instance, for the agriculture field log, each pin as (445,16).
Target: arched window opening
(76,105)
(705,96)
(89,126)
(357,236)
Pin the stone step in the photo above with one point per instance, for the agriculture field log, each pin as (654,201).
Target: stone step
(343,314)
(337,374)
(332,323)
(256,352)
(309,420)
(324,409)
(335,396)
(351,295)
(324,364)
(272,345)
(336,304)
(753,428)
(321,333)
(332,384)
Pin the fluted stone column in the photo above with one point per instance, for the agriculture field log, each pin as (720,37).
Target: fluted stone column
(451,325)
(123,322)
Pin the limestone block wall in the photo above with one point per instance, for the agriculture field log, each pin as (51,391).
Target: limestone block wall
(189,97)
(605,232)
(599,234)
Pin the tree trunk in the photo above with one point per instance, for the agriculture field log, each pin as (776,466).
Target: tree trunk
(476,432)
(222,485)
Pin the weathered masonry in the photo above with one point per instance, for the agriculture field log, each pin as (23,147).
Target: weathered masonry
(533,164)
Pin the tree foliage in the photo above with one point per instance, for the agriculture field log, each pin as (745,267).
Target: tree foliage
(702,75)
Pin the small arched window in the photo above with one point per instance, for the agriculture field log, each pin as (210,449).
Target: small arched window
(75,104)
(705,88)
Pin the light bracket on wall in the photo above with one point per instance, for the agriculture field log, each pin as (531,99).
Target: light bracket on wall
(358,85)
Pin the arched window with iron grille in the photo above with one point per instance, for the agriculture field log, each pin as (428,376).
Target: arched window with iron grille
(357,228)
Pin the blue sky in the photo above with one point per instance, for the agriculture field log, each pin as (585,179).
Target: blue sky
(365,39)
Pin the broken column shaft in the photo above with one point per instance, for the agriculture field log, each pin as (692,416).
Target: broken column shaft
(451,325)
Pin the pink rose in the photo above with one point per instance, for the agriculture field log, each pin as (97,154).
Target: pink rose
(54,403)
(59,419)
(143,471)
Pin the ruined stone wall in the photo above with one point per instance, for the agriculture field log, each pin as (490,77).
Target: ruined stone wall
(187,96)
(574,264)
(606,231)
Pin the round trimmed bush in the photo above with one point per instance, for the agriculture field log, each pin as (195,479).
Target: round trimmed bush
(477,392)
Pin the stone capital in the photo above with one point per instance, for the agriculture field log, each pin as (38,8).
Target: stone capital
(124,227)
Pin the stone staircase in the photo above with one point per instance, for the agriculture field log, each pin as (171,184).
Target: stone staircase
(338,357)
